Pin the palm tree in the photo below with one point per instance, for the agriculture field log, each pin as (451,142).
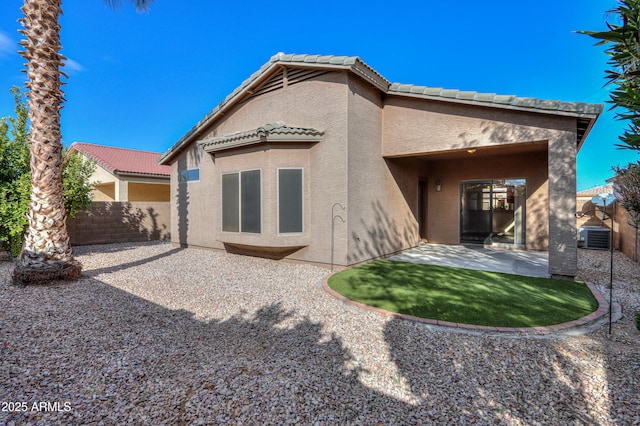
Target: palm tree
(47,254)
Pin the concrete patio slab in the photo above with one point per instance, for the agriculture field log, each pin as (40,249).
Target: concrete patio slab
(519,262)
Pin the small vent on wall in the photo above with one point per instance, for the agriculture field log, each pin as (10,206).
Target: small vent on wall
(299,75)
(277,82)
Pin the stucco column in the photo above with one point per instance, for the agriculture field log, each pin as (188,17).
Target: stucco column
(563,251)
(122,190)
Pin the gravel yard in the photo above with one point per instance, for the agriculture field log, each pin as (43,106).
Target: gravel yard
(155,334)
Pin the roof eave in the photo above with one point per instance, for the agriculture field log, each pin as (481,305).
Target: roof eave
(123,173)
(213,148)
(563,112)
(224,143)
(592,122)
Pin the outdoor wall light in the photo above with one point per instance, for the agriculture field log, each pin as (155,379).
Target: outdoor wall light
(438,186)
(471,151)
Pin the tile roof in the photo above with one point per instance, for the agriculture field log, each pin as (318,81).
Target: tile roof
(437,92)
(492,98)
(123,160)
(603,189)
(359,67)
(270,132)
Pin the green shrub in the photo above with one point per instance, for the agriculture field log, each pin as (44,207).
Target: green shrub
(15,178)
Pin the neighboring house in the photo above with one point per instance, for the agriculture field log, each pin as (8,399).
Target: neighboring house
(591,215)
(309,144)
(126,174)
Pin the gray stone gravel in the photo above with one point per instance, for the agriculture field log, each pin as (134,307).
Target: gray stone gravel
(155,334)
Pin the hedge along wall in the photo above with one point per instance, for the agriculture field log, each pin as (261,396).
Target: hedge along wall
(121,222)
(624,235)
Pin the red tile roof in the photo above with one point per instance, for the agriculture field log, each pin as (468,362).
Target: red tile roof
(123,160)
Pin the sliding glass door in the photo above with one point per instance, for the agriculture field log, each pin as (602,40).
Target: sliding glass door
(492,212)
(475,208)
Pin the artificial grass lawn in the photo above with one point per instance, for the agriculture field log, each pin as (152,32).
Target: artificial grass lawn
(464,295)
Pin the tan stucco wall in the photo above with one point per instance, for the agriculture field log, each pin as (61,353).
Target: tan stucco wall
(102,175)
(104,192)
(109,188)
(267,159)
(379,207)
(148,191)
(192,208)
(132,188)
(320,104)
(375,150)
(419,126)
(416,127)
(444,206)
(563,241)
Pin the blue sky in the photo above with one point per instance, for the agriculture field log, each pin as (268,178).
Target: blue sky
(143,80)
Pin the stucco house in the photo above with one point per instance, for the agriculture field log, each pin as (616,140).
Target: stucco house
(320,157)
(126,174)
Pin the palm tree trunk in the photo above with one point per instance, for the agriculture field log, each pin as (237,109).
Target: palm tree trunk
(46,254)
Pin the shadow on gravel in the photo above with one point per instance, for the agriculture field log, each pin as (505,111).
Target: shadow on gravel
(111,357)
(121,266)
(497,379)
(112,248)
(133,361)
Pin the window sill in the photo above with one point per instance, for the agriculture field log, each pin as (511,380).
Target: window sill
(266,241)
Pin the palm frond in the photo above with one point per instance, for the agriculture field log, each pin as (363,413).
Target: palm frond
(141,5)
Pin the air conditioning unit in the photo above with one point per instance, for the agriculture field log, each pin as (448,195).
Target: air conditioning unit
(594,237)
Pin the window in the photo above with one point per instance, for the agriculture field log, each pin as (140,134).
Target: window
(290,201)
(241,204)
(190,175)
(250,201)
(231,202)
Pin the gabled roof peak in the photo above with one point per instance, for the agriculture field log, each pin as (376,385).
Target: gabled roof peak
(353,63)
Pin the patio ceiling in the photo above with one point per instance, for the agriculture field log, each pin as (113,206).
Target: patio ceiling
(479,152)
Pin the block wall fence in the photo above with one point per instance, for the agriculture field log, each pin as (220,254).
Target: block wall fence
(121,222)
